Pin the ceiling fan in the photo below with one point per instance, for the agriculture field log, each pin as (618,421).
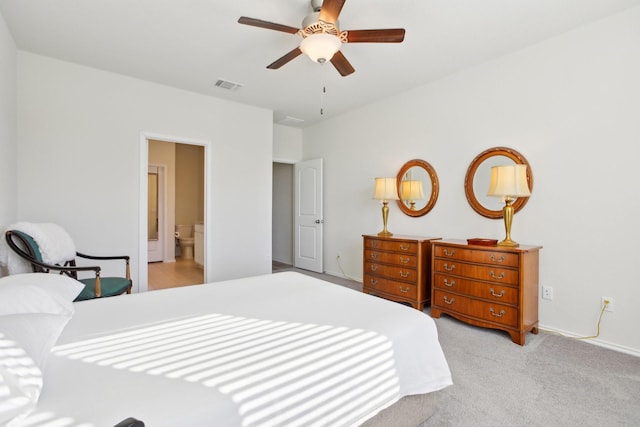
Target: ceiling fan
(321,37)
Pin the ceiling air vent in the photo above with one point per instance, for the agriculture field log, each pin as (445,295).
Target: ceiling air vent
(225,84)
(290,121)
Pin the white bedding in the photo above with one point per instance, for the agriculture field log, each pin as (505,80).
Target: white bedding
(273,350)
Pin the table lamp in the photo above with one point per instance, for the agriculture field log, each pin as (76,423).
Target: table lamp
(509,182)
(385,190)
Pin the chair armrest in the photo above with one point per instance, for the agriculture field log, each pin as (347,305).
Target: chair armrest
(81,255)
(115,257)
(61,268)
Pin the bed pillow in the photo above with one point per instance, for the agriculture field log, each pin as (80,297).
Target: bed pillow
(20,381)
(26,340)
(36,333)
(38,293)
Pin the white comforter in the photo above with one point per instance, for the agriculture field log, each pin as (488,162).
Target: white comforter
(275,350)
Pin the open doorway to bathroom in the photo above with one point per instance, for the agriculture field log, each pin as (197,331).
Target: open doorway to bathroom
(176,202)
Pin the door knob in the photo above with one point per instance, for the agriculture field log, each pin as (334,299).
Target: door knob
(319,221)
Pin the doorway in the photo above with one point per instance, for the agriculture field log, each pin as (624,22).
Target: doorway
(186,167)
(297,225)
(282,226)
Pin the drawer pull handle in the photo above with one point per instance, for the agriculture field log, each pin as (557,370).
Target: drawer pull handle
(404,274)
(447,253)
(404,247)
(493,313)
(450,284)
(373,281)
(451,267)
(374,267)
(500,295)
(448,301)
(405,260)
(494,259)
(374,244)
(374,255)
(404,290)
(501,276)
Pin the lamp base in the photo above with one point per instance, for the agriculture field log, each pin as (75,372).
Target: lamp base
(508,243)
(385,234)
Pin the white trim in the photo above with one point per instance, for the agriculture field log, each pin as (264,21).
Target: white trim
(142,284)
(285,161)
(594,341)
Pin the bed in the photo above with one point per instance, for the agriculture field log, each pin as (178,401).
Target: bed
(282,349)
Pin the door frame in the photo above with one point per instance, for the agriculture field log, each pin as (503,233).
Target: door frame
(162,210)
(143,273)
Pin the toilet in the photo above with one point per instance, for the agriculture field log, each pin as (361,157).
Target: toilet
(184,234)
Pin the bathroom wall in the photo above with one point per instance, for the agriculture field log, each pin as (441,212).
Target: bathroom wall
(163,153)
(189,184)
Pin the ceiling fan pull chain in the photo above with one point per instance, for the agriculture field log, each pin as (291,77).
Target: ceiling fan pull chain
(324,90)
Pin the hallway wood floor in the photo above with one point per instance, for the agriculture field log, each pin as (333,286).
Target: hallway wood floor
(183,272)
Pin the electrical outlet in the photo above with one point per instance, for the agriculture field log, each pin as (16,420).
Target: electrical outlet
(339,254)
(547,292)
(609,305)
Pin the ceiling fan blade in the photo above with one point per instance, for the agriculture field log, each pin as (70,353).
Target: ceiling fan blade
(268,25)
(286,58)
(392,35)
(342,65)
(331,10)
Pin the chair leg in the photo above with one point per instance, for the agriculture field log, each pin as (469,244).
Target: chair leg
(98,287)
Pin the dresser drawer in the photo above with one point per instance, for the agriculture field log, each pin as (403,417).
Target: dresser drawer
(402,260)
(488,291)
(490,312)
(479,256)
(375,283)
(388,245)
(391,272)
(495,274)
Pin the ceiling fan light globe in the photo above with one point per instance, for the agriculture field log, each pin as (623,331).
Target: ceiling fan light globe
(320,47)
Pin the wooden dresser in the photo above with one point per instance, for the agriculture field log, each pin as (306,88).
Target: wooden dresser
(398,268)
(489,286)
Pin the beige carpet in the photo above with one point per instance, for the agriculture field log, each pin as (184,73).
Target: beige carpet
(550,381)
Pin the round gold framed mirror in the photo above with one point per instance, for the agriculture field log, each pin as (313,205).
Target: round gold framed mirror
(417,188)
(476,182)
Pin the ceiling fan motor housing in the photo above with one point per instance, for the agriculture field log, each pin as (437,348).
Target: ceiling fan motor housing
(312,25)
(316,5)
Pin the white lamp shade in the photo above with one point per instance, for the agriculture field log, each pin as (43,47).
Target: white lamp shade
(411,190)
(320,47)
(386,189)
(509,180)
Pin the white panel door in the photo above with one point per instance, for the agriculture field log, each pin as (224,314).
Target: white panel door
(308,219)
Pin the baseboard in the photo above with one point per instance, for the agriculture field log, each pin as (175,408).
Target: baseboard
(342,276)
(594,341)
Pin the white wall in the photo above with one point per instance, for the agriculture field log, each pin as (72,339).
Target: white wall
(570,105)
(287,144)
(8,131)
(79,160)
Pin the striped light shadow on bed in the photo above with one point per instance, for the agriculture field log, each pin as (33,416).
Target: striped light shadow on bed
(278,373)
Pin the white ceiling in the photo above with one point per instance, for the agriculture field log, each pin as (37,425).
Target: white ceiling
(190,44)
